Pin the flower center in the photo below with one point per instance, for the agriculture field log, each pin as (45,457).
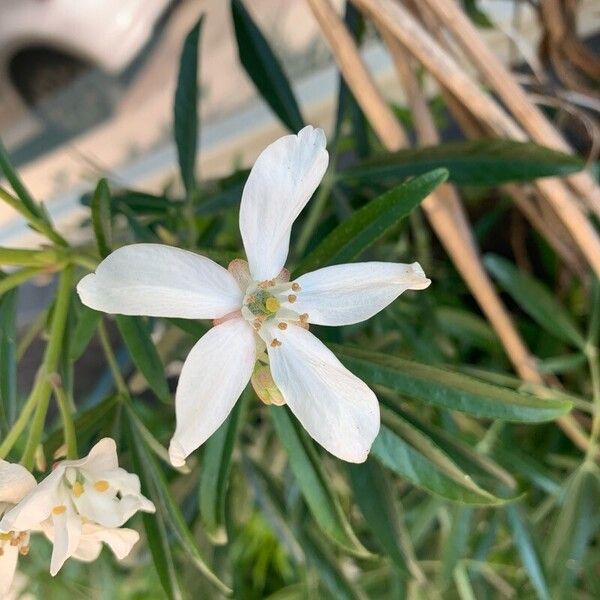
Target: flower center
(272,302)
(19,540)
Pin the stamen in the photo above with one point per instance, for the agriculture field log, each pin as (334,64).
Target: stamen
(266,284)
(303,317)
(78,489)
(24,550)
(282,326)
(101,486)
(59,510)
(296,287)
(292,298)
(275,343)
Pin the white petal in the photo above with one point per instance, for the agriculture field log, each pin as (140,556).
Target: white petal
(346,294)
(67,533)
(160,281)
(281,182)
(101,458)
(336,408)
(214,375)
(120,541)
(15,482)
(8,566)
(36,506)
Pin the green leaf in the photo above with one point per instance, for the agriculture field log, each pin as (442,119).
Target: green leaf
(523,538)
(448,389)
(166,506)
(455,544)
(573,530)
(87,322)
(264,69)
(364,227)
(8,357)
(535,300)
(214,476)
(478,162)
(321,499)
(414,456)
(101,218)
(186,108)
(373,493)
(17,185)
(154,524)
(136,336)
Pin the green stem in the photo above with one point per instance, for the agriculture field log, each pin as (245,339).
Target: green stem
(43,388)
(67,419)
(36,222)
(18,277)
(33,258)
(112,361)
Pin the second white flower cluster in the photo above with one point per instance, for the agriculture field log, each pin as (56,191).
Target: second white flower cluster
(78,507)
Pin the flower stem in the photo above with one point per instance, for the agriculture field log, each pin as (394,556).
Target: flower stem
(40,395)
(67,419)
(122,388)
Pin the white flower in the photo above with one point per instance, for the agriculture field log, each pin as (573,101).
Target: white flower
(15,483)
(80,504)
(255,301)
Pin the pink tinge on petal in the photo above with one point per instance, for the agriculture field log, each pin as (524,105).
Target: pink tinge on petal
(236,314)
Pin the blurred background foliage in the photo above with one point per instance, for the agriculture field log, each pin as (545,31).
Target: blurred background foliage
(471,489)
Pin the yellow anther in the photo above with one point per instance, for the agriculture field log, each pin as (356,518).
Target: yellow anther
(275,343)
(303,317)
(101,486)
(59,510)
(272,304)
(282,326)
(4,537)
(292,298)
(296,287)
(77,489)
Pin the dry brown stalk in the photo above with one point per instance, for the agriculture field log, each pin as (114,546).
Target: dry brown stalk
(422,46)
(358,77)
(514,97)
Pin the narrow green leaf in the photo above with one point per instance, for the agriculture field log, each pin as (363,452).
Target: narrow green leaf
(154,524)
(415,457)
(373,492)
(478,162)
(535,299)
(8,357)
(87,322)
(331,577)
(352,237)
(186,108)
(455,543)
(166,506)
(448,389)
(17,185)
(523,538)
(311,478)
(216,465)
(261,64)
(136,336)
(101,220)
(573,530)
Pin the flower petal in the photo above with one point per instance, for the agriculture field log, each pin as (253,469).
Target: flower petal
(120,541)
(8,566)
(66,536)
(15,482)
(160,281)
(336,408)
(281,182)
(102,457)
(214,375)
(346,294)
(36,506)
